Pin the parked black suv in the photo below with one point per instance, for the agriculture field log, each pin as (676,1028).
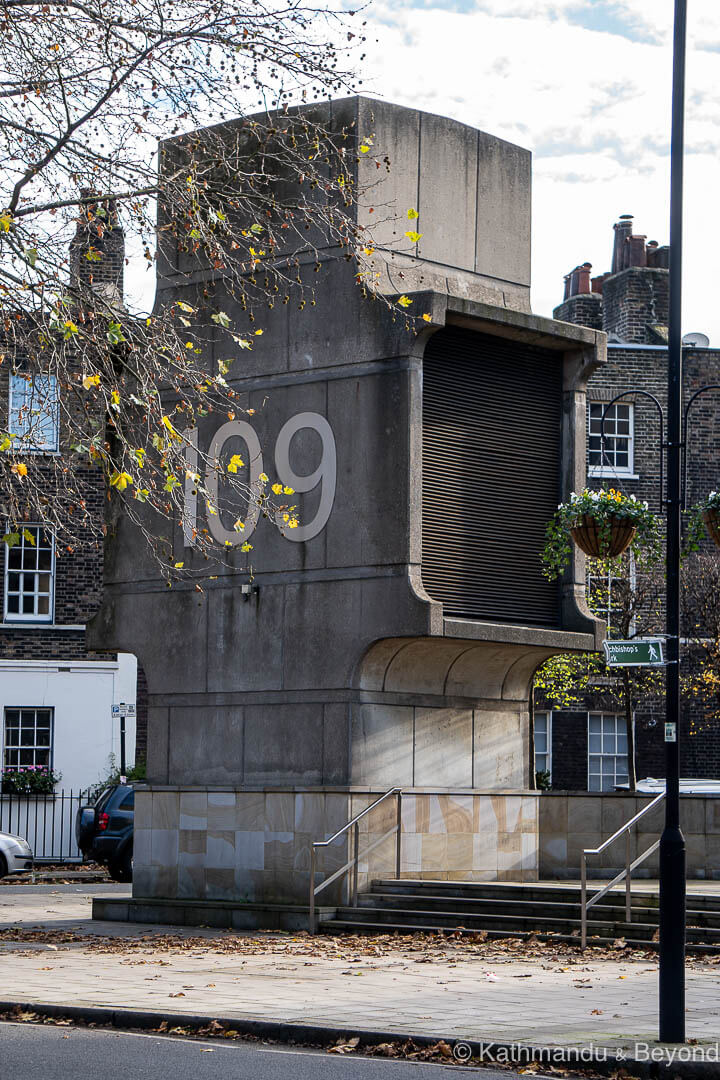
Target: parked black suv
(104,832)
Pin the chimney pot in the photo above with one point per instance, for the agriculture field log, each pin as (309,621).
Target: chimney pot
(622,229)
(583,278)
(637,255)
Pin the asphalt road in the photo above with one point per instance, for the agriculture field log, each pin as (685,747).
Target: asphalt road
(28,1052)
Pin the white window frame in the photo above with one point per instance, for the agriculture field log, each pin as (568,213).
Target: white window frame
(22,426)
(35,747)
(35,616)
(547,714)
(619,776)
(608,582)
(627,472)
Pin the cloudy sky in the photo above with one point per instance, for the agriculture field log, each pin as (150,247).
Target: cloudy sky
(585,85)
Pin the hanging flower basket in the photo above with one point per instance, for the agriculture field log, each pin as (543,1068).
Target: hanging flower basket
(603,524)
(711,517)
(703,517)
(591,538)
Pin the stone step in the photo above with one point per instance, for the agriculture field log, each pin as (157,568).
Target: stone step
(349,926)
(532,892)
(536,909)
(451,920)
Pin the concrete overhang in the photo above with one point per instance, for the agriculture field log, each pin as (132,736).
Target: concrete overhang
(517,325)
(511,634)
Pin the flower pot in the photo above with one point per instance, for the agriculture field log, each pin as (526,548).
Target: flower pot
(712,524)
(588,538)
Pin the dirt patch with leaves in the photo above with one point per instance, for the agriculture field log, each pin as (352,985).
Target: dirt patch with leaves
(457,946)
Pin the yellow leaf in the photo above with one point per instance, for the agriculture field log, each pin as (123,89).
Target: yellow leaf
(234,464)
(258,333)
(115,397)
(90,381)
(413,236)
(6,221)
(30,539)
(120,480)
(20,469)
(168,424)
(405,301)
(277,488)
(412,214)
(427,318)
(263,477)
(239,525)
(179,565)
(246,547)
(185,307)
(364,148)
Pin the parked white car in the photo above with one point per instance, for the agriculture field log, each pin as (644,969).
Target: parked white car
(15,854)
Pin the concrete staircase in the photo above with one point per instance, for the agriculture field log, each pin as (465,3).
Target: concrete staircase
(515,910)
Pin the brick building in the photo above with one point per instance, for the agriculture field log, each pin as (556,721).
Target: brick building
(586,747)
(56,696)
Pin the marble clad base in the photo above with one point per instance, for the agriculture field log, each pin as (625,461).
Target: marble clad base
(254,846)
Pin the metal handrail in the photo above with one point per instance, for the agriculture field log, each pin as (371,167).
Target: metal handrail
(586,904)
(352,864)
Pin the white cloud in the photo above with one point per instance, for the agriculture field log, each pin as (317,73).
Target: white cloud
(592,104)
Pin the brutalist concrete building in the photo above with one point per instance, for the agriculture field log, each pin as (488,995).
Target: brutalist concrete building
(390,640)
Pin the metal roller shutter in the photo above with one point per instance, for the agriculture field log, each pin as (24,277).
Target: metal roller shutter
(492,412)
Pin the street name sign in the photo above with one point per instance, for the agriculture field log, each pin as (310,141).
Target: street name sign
(642,652)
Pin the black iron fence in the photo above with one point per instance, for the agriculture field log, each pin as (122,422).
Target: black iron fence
(47,822)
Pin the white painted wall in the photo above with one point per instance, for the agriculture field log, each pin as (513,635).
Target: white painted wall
(81,692)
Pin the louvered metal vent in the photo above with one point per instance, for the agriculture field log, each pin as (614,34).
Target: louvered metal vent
(492,412)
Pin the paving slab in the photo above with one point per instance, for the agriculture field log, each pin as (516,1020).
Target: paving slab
(52,952)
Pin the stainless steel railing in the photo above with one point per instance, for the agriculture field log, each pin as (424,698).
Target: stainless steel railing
(586,904)
(353,863)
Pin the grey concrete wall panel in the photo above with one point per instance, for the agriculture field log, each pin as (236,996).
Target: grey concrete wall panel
(448,193)
(443,741)
(338,669)
(283,744)
(245,634)
(382,740)
(396,132)
(504,207)
(206,745)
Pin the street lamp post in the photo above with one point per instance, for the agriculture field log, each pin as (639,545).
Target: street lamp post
(672,842)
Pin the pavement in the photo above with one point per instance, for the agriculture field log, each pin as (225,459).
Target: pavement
(431,987)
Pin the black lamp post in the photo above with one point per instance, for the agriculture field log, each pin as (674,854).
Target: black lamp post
(672,842)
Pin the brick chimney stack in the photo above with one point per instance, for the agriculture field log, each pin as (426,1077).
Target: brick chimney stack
(582,304)
(97,251)
(631,301)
